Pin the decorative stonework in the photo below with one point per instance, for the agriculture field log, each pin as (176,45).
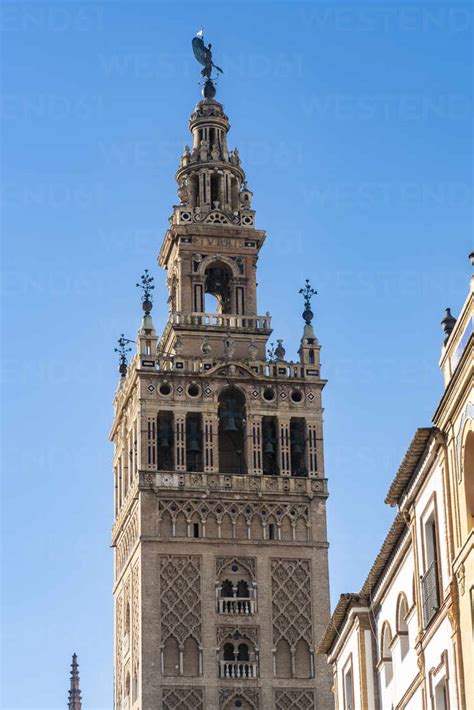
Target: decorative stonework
(135,618)
(126,542)
(182,698)
(253,513)
(248,563)
(118,644)
(249,632)
(227,696)
(180,597)
(294,699)
(291,601)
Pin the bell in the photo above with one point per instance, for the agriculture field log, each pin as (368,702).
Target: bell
(163,442)
(194,446)
(164,436)
(228,422)
(269,448)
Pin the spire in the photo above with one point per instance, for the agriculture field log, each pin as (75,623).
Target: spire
(74,691)
(309,348)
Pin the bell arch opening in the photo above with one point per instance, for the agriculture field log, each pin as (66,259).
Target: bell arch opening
(232,431)
(218,283)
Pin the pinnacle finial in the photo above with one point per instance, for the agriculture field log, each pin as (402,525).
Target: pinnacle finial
(122,350)
(74,700)
(147,286)
(308,292)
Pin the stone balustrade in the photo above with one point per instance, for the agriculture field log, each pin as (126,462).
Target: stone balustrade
(238,669)
(236,605)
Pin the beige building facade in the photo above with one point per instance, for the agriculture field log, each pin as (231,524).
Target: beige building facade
(406,639)
(221,578)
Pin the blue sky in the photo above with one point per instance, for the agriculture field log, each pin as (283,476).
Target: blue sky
(353,122)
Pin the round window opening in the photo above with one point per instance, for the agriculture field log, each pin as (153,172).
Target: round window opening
(238,703)
(296,396)
(165,389)
(235,568)
(194,390)
(269,394)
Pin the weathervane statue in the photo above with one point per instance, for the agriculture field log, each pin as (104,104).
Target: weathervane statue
(204,56)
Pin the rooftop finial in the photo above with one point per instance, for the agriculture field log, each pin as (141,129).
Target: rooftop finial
(147,287)
(204,56)
(74,700)
(308,292)
(122,350)
(448,323)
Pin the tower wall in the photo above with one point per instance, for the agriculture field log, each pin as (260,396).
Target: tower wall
(221,579)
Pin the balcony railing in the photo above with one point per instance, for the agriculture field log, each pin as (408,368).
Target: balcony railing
(223,320)
(238,669)
(430,593)
(236,605)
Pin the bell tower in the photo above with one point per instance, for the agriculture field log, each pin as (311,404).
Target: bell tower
(221,579)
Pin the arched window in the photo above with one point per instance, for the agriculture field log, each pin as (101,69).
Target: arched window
(283,659)
(232,431)
(243,652)
(402,625)
(135,686)
(386,652)
(229,652)
(191,657)
(227,589)
(242,589)
(302,660)
(468,473)
(166,527)
(237,658)
(171,656)
(218,282)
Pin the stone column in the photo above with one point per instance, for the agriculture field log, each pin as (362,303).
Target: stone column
(284,448)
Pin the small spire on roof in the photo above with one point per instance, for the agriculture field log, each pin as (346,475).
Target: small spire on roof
(74,691)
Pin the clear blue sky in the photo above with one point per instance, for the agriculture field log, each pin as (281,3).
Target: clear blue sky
(354,125)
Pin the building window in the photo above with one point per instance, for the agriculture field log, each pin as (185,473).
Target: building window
(348,687)
(236,590)
(402,625)
(441,696)
(237,658)
(468,473)
(386,653)
(430,581)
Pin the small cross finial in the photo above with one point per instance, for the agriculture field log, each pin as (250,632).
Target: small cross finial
(308,292)
(147,286)
(122,350)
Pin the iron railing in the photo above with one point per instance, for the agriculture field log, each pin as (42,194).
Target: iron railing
(430,593)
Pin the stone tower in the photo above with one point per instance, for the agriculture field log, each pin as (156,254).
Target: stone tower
(221,579)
